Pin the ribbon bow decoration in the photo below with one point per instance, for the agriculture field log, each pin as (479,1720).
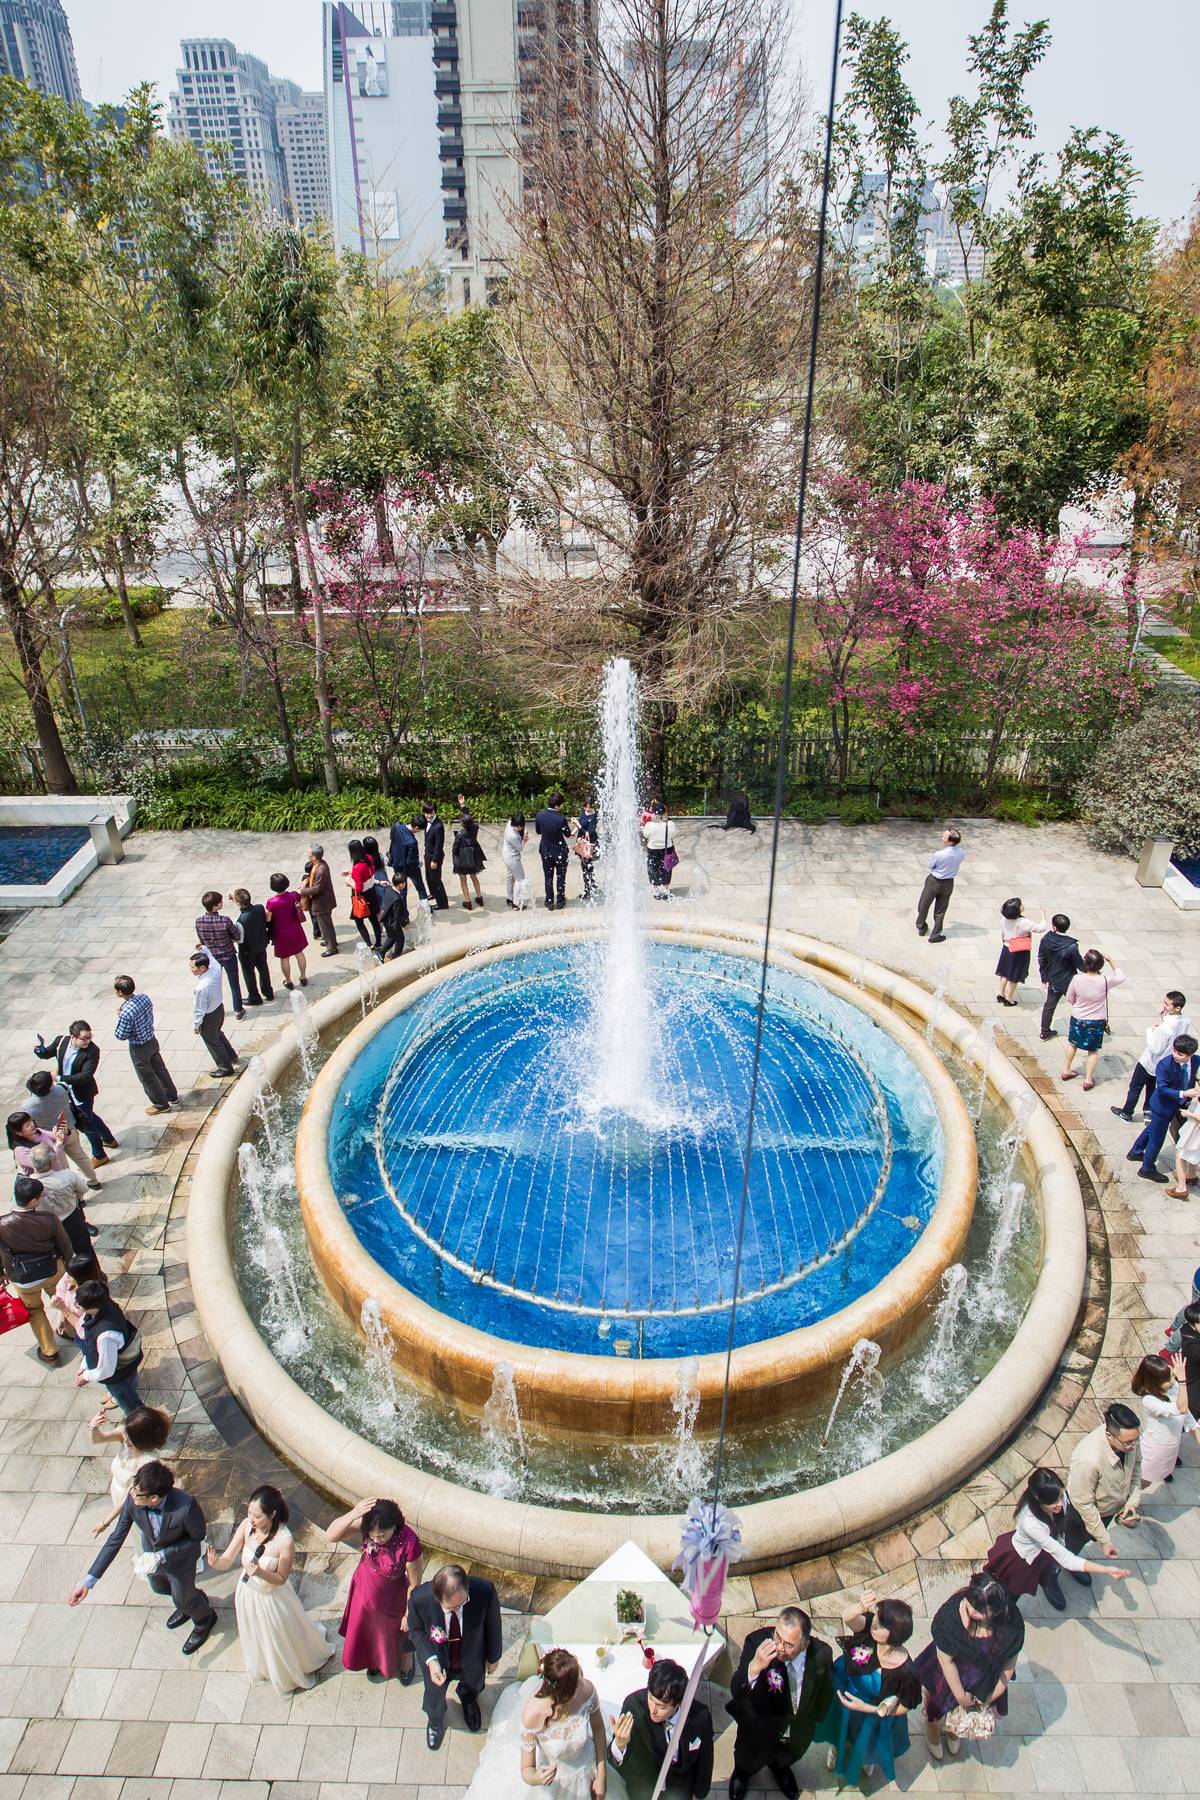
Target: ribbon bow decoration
(710,1541)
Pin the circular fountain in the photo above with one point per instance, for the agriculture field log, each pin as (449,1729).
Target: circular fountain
(520,1176)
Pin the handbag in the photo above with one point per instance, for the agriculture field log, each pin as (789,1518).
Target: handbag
(34,1267)
(1017,944)
(1107,1026)
(358,906)
(970,1722)
(670,859)
(13,1310)
(584,848)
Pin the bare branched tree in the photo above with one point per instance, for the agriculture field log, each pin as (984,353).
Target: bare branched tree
(654,319)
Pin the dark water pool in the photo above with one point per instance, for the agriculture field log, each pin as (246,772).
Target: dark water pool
(31,854)
(1189,868)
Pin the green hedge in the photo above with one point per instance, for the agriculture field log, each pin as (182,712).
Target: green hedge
(104,609)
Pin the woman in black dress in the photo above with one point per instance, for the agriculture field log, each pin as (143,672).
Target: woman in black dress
(467,858)
(977,1637)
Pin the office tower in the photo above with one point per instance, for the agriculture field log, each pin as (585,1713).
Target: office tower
(381,127)
(301,125)
(36,47)
(229,99)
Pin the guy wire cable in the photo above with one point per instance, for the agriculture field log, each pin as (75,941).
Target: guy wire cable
(781,760)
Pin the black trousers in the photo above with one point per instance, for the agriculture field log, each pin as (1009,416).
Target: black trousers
(188,1598)
(1050,1006)
(554,874)
(434,1703)
(75,1226)
(937,891)
(215,1042)
(1140,1084)
(437,887)
(372,918)
(1076,1533)
(413,873)
(752,1752)
(153,1073)
(393,934)
(257,974)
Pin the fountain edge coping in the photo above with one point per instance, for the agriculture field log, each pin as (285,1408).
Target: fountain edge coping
(570,1544)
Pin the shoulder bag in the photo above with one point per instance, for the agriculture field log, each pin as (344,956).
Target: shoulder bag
(13,1310)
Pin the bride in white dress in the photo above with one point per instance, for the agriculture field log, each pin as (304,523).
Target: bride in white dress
(548,1734)
(279,1641)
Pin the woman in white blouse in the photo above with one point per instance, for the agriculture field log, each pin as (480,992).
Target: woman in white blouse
(1030,1556)
(1161,1386)
(1016,942)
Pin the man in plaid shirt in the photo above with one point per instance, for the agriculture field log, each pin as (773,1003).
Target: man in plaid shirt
(221,937)
(135,1027)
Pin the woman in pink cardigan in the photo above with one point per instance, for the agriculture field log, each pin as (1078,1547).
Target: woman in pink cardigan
(1087,998)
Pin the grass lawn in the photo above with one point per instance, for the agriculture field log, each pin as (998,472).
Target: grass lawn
(1184,652)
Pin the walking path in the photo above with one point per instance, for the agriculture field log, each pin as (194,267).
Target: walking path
(96,1702)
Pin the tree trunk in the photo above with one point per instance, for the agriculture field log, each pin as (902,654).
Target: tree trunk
(295,584)
(1138,541)
(384,541)
(131,624)
(285,728)
(59,776)
(320,649)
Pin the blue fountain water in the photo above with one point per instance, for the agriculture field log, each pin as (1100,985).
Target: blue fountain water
(473,1169)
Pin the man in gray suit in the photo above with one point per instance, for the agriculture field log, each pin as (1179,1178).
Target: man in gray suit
(171,1523)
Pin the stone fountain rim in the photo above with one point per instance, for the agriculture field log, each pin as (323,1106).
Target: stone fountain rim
(546,1540)
(555,1384)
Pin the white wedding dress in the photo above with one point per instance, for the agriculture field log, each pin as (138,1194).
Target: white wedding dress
(565,1742)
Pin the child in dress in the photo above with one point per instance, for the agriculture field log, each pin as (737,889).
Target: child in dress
(141,1437)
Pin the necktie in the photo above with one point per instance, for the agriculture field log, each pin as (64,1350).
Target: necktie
(454,1643)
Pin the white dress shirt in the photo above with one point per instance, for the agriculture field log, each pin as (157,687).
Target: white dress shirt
(1161,1036)
(795,1671)
(448,1613)
(945,863)
(206,995)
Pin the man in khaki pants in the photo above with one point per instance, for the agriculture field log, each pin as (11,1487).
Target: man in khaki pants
(33,1249)
(1104,1482)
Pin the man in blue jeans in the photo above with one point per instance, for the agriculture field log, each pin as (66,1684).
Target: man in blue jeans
(111,1346)
(1174,1082)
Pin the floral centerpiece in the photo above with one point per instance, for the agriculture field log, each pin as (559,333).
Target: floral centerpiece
(630,1612)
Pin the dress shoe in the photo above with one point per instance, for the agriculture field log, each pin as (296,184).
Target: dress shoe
(53,1357)
(98,1162)
(1153,1175)
(939,937)
(472,1717)
(738,1786)
(157,1109)
(433,1736)
(376,1675)
(407,1676)
(1052,1589)
(252,1000)
(786,1781)
(95,1184)
(110,1143)
(199,1636)
(1047,1035)
(922,930)
(1083,1580)
(1133,1156)
(176,1619)
(94,1230)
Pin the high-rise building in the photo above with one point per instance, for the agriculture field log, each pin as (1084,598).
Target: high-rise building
(491,57)
(302,141)
(381,127)
(226,100)
(937,241)
(228,103)
(36,47)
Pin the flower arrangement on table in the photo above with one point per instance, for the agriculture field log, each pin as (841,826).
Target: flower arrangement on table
(630,1610)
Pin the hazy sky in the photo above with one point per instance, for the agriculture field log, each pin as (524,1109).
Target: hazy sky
(1128,68)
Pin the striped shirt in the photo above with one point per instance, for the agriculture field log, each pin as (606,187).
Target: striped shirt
(135,1021)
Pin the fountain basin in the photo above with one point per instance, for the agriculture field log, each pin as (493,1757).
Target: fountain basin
(569,1541)
(887,1166)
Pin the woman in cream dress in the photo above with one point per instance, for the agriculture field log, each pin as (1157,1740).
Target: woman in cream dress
(548,1734)
(279,1641)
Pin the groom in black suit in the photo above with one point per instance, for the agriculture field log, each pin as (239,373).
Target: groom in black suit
(648,1723)
(781,1690)
(172,1523)
(454,1624)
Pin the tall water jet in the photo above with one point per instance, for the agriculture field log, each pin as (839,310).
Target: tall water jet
(381,1347)
(985,1037)
(267,1107)
(622,1030)
(502,1433)
(1013,1140)
(367,964)
(862,1361)
(931,1379)
(308,1038)
(935,1016)
(684,1461)
(994,1297)
(863,940)
(268,1247)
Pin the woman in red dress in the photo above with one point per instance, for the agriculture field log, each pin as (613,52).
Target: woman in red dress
(373,1624)
(286,925)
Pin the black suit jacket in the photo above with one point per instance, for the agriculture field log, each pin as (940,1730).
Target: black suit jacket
(435,842)
(403,850)
(691,1765)
(482,1639)
(553,829)
(763,1708)
(180,1536)
(81,1083)
(255,936)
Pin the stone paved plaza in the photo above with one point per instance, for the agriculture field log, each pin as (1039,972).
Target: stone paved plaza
(96,1702)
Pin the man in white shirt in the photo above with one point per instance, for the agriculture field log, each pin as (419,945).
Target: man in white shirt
(649,1723)
(944,865)
(208,1014)
(454,1624)
(1172,1022)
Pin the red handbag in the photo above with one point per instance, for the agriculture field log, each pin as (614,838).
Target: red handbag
(13,1310)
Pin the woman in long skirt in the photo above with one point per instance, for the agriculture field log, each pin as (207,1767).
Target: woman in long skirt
(280,1643)
(875,1688)
(374,1624)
